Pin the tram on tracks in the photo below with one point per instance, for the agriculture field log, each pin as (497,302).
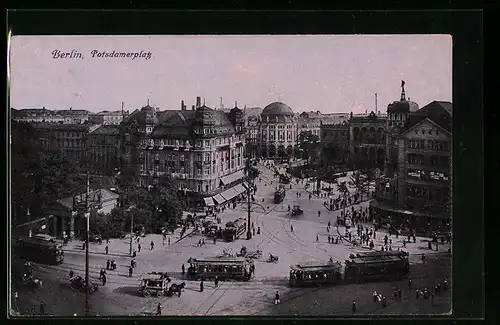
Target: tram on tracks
(237,268)
(315,273)
(234,229)
(279,195)
(375,266)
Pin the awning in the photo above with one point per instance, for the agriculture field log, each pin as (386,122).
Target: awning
(218,199)
(229,194)
(209,201)
(239,189)
(226,180)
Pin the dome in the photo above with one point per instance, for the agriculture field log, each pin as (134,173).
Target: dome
(148,109)
(403,106)
(277,108)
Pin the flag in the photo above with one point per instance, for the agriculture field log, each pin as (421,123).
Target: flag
(402,83)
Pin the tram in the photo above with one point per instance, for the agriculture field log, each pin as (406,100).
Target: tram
(315,273)
(234,229)
(373,266)
(41,248)
(237,268)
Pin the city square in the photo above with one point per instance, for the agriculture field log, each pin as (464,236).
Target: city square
(215,210)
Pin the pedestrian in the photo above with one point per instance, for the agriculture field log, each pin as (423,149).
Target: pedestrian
(423,258)
(216,281)
(152,245)
(375,296)
(107,265)
(384,302)
(353,306)
(414,239)
(277,298)
(445,285)
(417,294)
(134,254)
(258,230)
(71,274)
(399,294)
(168,239)
(253,232)
(317,238)
(438,287)
(132,263)
(291,228)
(33,310)
(201,286)
(42,309)
(409,284)
(432,299)
(83,246)
(101,274)
(139,247)
(404,243)
(104,279)
(329,239)
(106,249)
(319,214)
(158,310)
(130,271)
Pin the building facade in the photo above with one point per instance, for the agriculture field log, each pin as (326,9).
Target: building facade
(311,121)
(43,115)
(419,194)
(367,138)
(201,149)
(69,139)
(107,117)
(279,130)
(103,149)
(398,113)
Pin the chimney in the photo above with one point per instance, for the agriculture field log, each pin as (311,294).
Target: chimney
(192,107)
(198,102)
(183,107)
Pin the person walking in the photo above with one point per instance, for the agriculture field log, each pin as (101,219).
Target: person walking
(291,228)
(71,274)
(409,284)
(152,245)
(317,238)
(168,239)
(107,264)
(130,271)
(183,269)
(42,309)
(139,248)
(400,295)
(319,213)
(216,281)
(277,298)
(353,306)
(158,310)
(33,310)
(106,249)
(201,286)
(104,279)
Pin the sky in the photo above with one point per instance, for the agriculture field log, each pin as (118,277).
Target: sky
(329,73)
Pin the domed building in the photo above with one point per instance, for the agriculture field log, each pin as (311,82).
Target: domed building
(278,131)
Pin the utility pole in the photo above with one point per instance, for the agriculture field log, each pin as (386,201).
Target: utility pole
(249,231)
(87,216)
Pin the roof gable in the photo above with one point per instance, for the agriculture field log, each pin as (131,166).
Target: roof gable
(425,125)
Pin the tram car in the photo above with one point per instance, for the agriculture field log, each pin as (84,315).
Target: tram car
(315,273)
(376,266)
(279,195)
(237,268)
(234,229)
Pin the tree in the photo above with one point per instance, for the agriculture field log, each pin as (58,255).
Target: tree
(39,178)
(358,181)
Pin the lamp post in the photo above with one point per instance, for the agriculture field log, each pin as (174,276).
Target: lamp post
(87,217)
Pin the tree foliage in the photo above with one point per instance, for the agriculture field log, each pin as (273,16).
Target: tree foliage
(39,178)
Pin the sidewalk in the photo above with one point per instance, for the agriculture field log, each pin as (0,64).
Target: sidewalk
(419,247)
(121,247)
